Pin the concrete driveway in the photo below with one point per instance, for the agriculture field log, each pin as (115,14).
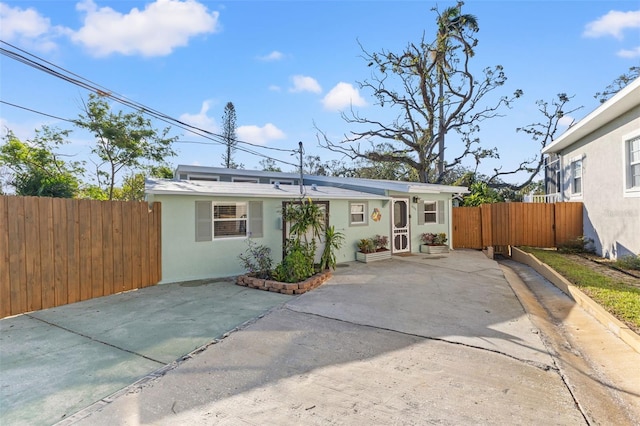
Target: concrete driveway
(56,362)
(410,341)
(407,341)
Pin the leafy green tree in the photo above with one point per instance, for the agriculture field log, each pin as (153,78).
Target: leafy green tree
(408,84)
(36,168)
(133,185)
(123,142)
(269,165)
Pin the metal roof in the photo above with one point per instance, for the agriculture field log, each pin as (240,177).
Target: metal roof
(334,181)
(252,190)
(621,102)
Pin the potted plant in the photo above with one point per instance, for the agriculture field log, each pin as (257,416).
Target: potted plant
(373,249)
(434,243)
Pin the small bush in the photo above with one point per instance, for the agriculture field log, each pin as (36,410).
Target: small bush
(581,244)
(297,264)
(629,262)
(257,260)
(432,239)
(367,245)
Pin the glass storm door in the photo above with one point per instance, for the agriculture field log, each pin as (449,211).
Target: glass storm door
(400,230)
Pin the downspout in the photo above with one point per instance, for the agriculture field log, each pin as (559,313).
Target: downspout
(450,226)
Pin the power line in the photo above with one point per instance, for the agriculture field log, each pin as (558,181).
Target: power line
(37,112)
(213,142)
(89,85)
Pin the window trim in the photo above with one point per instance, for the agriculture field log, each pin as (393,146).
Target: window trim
(214,220)
(242,179)
(282,181)
(202,177)
(365,213)
(204,220)
(572,192)
(434,211)
(629,191)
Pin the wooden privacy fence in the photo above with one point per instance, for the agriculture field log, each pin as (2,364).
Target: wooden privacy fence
(55,251)
(516,224)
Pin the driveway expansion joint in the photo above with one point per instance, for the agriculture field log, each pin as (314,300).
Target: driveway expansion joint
(95,340)
(539,365)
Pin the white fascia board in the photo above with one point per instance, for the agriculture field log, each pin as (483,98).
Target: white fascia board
(621,102)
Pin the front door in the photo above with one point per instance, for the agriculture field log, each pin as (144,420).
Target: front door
(400,230)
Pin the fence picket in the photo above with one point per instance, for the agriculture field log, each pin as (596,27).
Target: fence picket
(58,251)
(503,224)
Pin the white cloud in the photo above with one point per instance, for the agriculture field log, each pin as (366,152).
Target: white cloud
(613,24)
(201,119)
(275,88)
(27,27)
(302,83)
(259,135)
(629,53)
(566,120)
(342,96)
(273,56)
(156,30)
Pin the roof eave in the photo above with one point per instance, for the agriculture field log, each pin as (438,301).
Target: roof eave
(621,102)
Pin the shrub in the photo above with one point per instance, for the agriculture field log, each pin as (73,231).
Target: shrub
(580,244)
(367,245)
(381,242)
(297,264)
(257,260)
(432,239)
(629,262)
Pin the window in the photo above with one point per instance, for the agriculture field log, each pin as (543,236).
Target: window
(245,180)
(632,149)
(431,212)
(203,177)
(229,220)
(576,176)
(358,214)
(218,220)
(281,181)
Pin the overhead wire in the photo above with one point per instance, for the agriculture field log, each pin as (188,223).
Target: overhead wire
(100,90)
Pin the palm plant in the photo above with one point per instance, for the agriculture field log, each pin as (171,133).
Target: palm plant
(333,240)
(451,25)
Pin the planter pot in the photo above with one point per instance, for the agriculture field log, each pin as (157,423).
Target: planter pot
(433,249)
(372,257)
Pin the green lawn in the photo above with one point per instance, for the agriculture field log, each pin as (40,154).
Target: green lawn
(618,298)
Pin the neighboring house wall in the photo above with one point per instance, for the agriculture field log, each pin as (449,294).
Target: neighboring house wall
(611,210)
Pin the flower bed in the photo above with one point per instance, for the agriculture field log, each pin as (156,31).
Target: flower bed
(284,288)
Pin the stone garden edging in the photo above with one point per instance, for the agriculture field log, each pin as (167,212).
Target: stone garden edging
(284,288)
(616,326)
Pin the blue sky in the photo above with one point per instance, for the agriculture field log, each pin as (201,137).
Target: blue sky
(289,64)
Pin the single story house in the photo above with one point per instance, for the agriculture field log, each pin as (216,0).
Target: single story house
(209,213)
(597,162)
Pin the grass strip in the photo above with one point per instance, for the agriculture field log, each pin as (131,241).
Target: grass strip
(618,298)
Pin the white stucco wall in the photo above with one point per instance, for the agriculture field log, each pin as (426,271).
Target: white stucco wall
(611,215)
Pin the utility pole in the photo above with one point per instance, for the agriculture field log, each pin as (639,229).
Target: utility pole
(300,150)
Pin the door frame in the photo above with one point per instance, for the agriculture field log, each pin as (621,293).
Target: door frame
(393,225)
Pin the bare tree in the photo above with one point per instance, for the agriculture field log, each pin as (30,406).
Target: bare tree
(618,84)
(542,132)
(408,83)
